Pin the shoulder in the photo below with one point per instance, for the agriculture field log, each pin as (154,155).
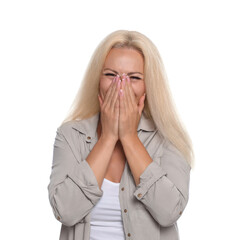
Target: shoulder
(85,127)
(68,128)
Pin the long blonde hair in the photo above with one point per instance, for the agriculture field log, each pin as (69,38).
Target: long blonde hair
(158,105)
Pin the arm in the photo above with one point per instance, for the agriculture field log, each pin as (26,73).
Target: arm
(137,160)
(100,156)
(73,188)
(164,188)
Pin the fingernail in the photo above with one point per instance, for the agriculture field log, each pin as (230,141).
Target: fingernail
(128,79)
(119,81)
(123,81)
(120,92)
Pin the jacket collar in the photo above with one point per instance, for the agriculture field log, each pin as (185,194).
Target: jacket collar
(89,126)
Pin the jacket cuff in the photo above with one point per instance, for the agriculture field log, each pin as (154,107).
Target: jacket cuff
(149,176)
(85,178)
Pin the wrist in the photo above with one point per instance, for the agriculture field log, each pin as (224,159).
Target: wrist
(108,140)
(128,139)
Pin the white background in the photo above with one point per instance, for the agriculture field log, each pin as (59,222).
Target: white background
(45,47)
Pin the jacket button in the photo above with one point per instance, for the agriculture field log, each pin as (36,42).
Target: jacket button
(139,195)
(125,210)
(88,137)
(180,213)
(122,189)
(58,218)
(129,234)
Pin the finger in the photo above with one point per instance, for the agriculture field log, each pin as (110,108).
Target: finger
(109,93)
(141,104)
(115,95)
(125,101)
(121,102)
(117,107)
(100,100)
(132,97)
(125,105)
(128,96)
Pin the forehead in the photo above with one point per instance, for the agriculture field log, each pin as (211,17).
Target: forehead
(124,59)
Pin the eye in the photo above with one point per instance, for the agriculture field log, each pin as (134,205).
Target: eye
(110,74)
(134,77)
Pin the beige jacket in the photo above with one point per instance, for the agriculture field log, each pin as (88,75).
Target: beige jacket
(150,210)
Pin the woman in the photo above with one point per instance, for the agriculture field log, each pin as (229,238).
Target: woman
(122,159)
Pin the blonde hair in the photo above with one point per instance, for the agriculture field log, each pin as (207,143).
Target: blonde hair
(158,105)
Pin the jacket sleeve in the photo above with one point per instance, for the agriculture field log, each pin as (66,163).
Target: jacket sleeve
(164,188)
(73,189)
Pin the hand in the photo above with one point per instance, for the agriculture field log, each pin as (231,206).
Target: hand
(110,111)
(130,111)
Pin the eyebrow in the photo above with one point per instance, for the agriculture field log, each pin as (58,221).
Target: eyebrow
(130,73)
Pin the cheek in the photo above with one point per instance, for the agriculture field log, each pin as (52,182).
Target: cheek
(138,89)
(104,85)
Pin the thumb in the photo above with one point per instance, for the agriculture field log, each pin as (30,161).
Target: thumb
(141,104)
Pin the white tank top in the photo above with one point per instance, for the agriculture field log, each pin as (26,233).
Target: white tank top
(106,217)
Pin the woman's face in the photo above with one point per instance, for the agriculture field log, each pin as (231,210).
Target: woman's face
(119,61)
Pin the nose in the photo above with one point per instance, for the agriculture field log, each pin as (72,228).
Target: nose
(122,75)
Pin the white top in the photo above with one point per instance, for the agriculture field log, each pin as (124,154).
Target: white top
(106,217)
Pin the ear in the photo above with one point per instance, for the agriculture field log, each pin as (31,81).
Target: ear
(141,104)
